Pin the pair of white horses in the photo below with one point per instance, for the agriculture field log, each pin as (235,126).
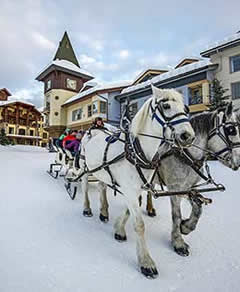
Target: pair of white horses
(163,115)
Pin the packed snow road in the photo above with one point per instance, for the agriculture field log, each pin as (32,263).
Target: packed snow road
(47,245)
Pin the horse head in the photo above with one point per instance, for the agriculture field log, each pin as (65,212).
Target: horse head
(168,110)
(224,138)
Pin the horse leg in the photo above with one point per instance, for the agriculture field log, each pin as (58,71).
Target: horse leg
(119,226)
(180,247)
(149,208)
(104,216)
(145,262)
(188,225)
(87,209)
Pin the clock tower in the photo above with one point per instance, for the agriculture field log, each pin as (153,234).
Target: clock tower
(62,78)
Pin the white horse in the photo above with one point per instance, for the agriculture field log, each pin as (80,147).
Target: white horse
(216,133)
(162,116)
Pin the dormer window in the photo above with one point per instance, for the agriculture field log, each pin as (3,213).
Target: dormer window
(49,84)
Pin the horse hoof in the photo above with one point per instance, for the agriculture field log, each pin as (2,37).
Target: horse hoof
(103,218)
(87,213)
(182,251)
(184,229)
(152,213)
(120,238)
(150,273)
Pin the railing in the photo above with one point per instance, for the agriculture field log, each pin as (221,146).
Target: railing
(196,99)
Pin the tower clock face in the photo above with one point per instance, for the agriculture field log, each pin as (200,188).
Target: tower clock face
(72,84)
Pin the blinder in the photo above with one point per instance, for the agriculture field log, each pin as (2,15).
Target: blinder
(230,130)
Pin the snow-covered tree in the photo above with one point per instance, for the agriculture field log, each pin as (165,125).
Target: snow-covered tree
(3,138)
(217,97)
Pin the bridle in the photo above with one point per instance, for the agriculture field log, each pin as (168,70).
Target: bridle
(229,129)
(167,122)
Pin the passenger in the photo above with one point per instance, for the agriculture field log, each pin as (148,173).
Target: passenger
(98,123)
(60,139)
(70,137)
(74,145)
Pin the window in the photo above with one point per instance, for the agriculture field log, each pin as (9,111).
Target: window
(21,132)
(235,90)
(56,97)
(133,109)
(56,113)
(45,135)
(77,114)
(31,132)
(49,84)
(103,107)
(11,130)
(235,63)
(95,107)
(195,95)
(89,110)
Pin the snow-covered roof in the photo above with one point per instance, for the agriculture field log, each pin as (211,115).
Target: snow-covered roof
(24,136)
(70,66)
(98,87)
(66,65)
(90,83)
(170,74)
(193,58)
(148,69)
(14,101)
(223,43)
(6,90)
(40,109)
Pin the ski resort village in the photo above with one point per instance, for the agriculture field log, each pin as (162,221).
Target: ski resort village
(119,150)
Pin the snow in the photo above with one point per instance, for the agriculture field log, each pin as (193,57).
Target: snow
(40,109)
(14,101)
(98,87)
(149,69)
(67,65)
(170,74)
(47,245)
(225,41)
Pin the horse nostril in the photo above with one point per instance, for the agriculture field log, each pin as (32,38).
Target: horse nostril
(185,136)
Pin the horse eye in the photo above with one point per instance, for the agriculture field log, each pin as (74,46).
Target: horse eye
(166,106)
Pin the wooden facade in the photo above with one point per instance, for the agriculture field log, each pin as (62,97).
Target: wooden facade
(23,123)
(59,81)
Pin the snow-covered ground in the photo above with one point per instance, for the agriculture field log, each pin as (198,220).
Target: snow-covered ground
(47,245)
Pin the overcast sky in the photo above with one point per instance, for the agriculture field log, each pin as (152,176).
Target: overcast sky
(113,39)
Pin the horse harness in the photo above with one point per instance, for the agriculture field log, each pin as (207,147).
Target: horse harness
(229,129)
(133,150)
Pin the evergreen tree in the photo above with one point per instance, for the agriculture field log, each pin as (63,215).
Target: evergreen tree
(3,138)
(217,97)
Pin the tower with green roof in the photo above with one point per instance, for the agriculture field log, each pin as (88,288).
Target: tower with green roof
(62,78)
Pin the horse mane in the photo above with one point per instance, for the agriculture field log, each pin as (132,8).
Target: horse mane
(140,117)
(203,123)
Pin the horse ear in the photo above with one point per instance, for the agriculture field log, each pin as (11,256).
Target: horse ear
(157,94)
(229,110)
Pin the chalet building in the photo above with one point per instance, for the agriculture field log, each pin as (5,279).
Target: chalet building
(22,122)
(63,78)
(98,100)
(226,55)
(191,77)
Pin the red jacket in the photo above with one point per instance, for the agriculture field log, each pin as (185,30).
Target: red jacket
(68,138)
